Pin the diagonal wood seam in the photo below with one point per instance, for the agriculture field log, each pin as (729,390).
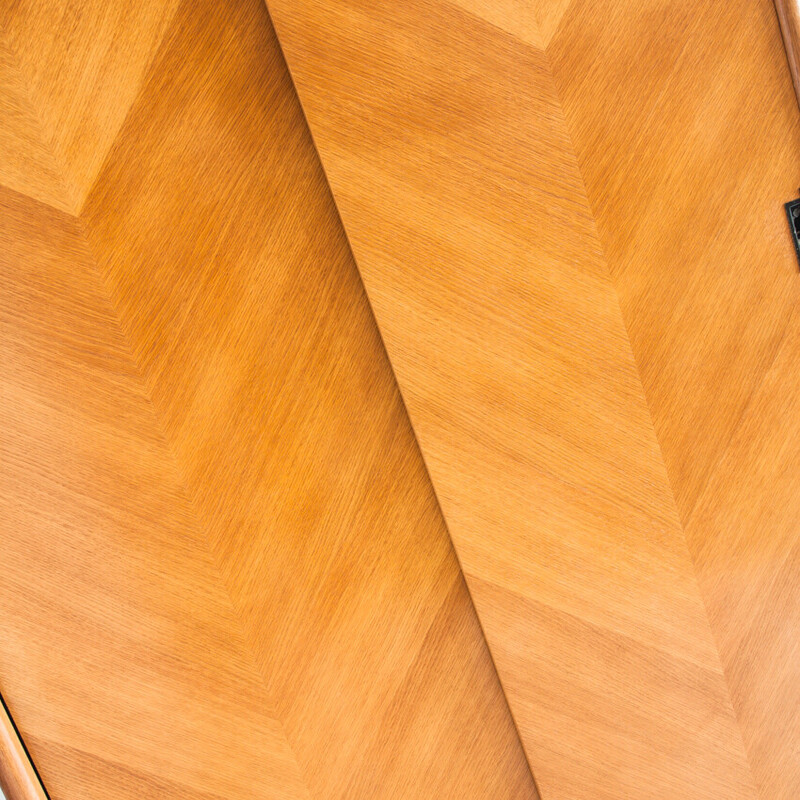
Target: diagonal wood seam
(79,217)
(405,406)
(682,523)
(76,213)
(434,488)
(405,409)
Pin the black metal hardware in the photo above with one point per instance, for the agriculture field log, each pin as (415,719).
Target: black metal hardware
(793,215)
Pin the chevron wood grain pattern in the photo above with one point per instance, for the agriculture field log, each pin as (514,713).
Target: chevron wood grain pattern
(26,161)
(688,139)
(548,17)
(221,525)
(122,660)
(100,50)
(744,537)
(444,142)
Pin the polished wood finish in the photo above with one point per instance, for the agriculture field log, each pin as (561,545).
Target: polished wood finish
(83,62)
(789,18)
(228,575)
(26,161)
(255,336)
(443,139)
(744,537)
(122,656)
(18,778)
(688,137)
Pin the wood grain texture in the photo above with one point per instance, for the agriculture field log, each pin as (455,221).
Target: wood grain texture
(119,643)
(261,353)
(100,50)
(448,155)
(224,260)
(518,17)
(694,232)
(789,18)
(18,778)
(688,139)
(27,163)
(744,537)
(549,14)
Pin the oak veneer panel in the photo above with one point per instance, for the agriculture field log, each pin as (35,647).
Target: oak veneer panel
(744,537)
(518,17)
(676,158)
(686,129)
(120,647)
(549,14)
(447,153)
(100,50)
(26,162)
(225,258)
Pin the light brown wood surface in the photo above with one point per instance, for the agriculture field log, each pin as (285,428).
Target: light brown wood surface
(81,76)
(442,135)
(18,778)
(689,144)
(225,571)
(122,659)
(789,19)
